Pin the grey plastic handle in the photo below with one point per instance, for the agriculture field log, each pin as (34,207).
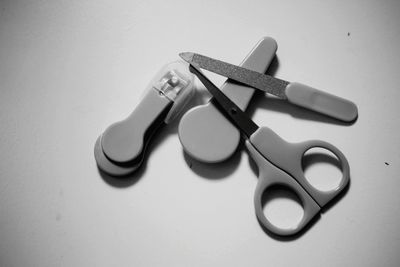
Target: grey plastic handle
(218,138)
(109,167)
(279,162)
(322,102)
(270,176)
(125,141)
(288,157)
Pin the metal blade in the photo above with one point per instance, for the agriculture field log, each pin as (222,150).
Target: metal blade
(251,78)
(230,109)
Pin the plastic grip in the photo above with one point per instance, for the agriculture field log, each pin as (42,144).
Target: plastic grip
(110,167)
(269,176)
(322,102)
(124,141)
(288,157)
(120,149)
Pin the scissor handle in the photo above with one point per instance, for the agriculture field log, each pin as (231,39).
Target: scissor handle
(288,157)
(269,176)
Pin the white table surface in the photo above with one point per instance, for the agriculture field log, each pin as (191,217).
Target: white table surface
(68,69)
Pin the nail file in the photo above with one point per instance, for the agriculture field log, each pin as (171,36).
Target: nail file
(218,138)
(121,148)
(296,93)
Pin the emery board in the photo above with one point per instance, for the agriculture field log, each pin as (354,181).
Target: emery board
(218,138)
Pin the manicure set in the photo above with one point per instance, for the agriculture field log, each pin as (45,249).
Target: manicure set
(211,132)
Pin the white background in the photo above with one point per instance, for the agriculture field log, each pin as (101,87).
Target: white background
(68,69)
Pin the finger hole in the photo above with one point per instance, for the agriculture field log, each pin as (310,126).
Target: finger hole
(322,169)
(282,207)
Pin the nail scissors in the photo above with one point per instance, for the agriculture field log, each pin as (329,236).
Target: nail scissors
(279,162)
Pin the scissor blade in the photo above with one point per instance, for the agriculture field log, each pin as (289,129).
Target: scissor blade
(230,109)
(251,78)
